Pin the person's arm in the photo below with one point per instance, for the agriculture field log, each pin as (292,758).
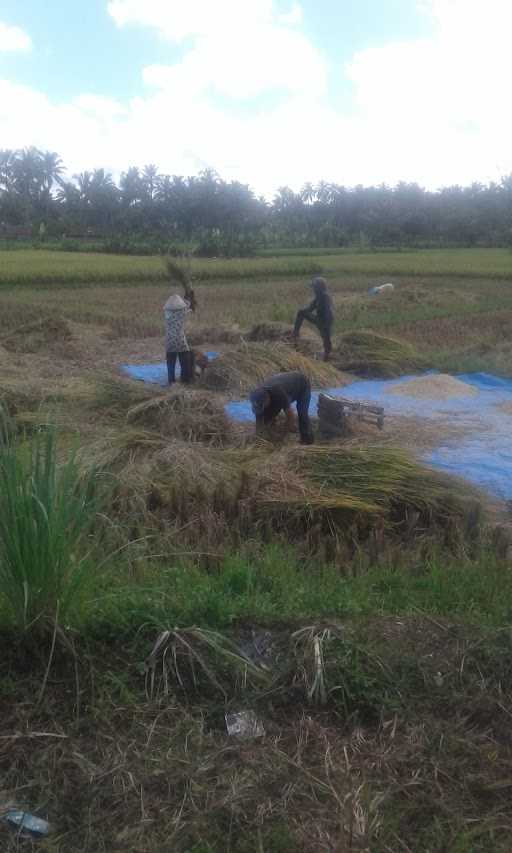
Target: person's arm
(282,403)
(290,419)
(260,423)
(190,298)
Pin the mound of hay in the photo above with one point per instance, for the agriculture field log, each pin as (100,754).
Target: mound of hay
(270,332)
(113,396)
(214,335)
(188,415)
(368,354)
(281,332)
(239,370)
(41,334)
(441,387)
(370,481)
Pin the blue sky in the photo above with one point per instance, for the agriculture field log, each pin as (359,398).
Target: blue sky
(270,92)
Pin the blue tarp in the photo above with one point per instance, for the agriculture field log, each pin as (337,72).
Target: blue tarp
(483,455)
(154,373)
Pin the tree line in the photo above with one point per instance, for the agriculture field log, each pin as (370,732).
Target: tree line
(217,217)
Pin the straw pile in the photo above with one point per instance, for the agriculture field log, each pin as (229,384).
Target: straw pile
(187,415)
(368,354)
(215,498)
(376,479)
(440,387)
(45,333)
(283,333)
(239,370)
(214,335)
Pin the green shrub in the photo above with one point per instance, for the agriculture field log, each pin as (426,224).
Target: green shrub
(47,513)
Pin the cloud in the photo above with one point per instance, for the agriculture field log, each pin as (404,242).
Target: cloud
(13,39)
(238,49)
(176,20)
(437,107)
(433,110)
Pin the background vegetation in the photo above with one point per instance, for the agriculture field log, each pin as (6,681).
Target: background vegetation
(148,212)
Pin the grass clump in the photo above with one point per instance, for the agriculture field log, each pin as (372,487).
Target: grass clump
(372,355)
(239,370)
(47,513)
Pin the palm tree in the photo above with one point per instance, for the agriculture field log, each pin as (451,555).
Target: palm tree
(308,193)
(52,169)
(150,180)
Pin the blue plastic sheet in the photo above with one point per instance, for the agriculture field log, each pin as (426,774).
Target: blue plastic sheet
(483,455)
(154,373)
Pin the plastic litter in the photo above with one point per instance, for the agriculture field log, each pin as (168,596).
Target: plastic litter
(244,725)
(381,288)
(26,822)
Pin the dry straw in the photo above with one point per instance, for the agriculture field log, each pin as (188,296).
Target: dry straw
(239,370)
(187,415)
(368,354)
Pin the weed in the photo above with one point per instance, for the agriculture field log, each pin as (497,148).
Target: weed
(47,513)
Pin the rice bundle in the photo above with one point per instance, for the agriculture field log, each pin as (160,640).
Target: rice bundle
(178,271)
(239,370)
(189,415)
(368,354)
(373,481)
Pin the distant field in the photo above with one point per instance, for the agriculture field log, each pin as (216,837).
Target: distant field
(31,266)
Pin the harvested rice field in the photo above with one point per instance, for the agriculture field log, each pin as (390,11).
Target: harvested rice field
(216,641)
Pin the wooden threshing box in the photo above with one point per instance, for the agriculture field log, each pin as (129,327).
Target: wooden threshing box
(334,414)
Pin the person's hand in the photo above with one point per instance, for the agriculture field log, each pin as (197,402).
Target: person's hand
(191,298)
(290,421)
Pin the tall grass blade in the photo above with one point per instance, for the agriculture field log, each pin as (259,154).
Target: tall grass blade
(47,512)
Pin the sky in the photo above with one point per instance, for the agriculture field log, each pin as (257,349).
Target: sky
(268,92)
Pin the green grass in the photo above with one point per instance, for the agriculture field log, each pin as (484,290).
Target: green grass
(276,587)
(30,266)
(47,513)
(51,267)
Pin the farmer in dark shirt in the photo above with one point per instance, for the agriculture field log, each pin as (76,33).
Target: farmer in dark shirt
(276,395)
(320,313)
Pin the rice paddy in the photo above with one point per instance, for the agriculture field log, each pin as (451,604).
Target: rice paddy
(354,601)
(37,267)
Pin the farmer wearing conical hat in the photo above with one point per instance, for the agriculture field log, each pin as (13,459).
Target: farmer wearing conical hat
(277,394)
(320,313)
(175,312)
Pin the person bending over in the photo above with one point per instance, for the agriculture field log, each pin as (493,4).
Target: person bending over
(175,312)
(277,394)
(320,313)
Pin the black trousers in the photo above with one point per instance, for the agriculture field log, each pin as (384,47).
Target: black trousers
(325,331)
(187,366)
(303,401)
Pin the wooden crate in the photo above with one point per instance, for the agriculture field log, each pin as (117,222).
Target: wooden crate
(336,413)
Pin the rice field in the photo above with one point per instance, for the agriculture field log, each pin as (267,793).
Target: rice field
(357,602)
(30,266)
